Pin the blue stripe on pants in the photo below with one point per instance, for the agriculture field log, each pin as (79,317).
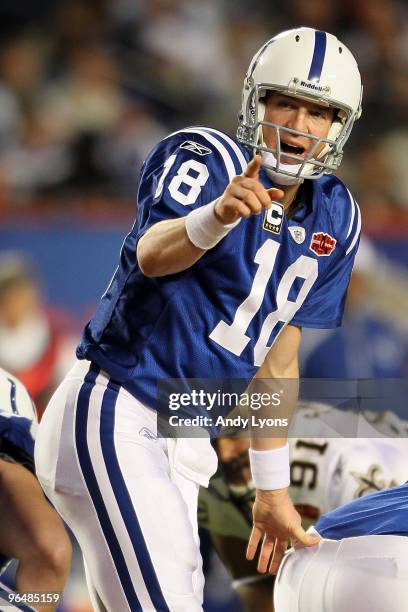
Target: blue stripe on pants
(123,498)
(93,488)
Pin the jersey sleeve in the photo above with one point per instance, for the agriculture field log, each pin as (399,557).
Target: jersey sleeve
(382,513)
(185,171)
(324,306)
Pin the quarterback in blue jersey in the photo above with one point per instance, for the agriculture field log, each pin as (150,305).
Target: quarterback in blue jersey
(236,246)
(361,563)
(30,530)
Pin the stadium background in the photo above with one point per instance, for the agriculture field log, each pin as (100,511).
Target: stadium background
(87,87)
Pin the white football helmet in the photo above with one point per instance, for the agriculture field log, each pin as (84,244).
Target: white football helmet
(311,65)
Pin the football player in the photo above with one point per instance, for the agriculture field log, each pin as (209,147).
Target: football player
(360,563)
(30,530)
(237,245)
(326,472)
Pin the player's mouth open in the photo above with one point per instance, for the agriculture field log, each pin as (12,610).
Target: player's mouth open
(288,148)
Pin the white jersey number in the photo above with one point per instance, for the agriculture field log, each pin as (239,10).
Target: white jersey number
(192,173)
(232,336)
(183,177)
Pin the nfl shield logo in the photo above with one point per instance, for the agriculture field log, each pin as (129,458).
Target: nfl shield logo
(298,234)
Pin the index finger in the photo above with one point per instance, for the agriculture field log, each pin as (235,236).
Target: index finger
(252,169)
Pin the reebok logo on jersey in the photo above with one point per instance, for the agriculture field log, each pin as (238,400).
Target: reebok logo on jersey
(322,244)
(273,218)
(194,147)
(298,234)
(146,433)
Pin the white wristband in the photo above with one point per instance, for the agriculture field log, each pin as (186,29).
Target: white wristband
(203,228)
(270,469)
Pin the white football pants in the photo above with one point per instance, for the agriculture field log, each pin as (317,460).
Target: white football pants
(362,574)
(121,491)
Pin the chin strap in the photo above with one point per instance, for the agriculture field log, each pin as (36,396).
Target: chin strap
(269,161)
(334,132)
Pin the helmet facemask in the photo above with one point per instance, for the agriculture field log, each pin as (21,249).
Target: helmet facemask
(250,133)
(305,64)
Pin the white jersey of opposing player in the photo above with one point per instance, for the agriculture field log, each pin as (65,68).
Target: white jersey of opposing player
(328,471)
(14,397)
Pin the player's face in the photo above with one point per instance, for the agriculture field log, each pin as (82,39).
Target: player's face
(299,115)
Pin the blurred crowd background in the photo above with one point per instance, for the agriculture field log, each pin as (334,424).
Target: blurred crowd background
(88,87)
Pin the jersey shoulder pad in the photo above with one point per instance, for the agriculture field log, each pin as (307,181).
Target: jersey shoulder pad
(343,210)
(14,397)
(208,146)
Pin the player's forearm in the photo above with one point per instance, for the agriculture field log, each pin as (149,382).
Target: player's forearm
(280,373)
(166,249)
(174,245)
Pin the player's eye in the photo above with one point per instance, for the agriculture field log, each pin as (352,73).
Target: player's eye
(285,104)
(319,114)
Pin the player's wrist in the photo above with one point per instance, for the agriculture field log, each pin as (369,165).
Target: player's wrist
(204,229)
(274,495)
(220,213)
(270,468)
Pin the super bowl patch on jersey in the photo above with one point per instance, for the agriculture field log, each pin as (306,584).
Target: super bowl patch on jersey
(322,244)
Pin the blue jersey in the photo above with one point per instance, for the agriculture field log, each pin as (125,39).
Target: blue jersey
(18,421)
(382,513)
(17,438)
(218,318)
